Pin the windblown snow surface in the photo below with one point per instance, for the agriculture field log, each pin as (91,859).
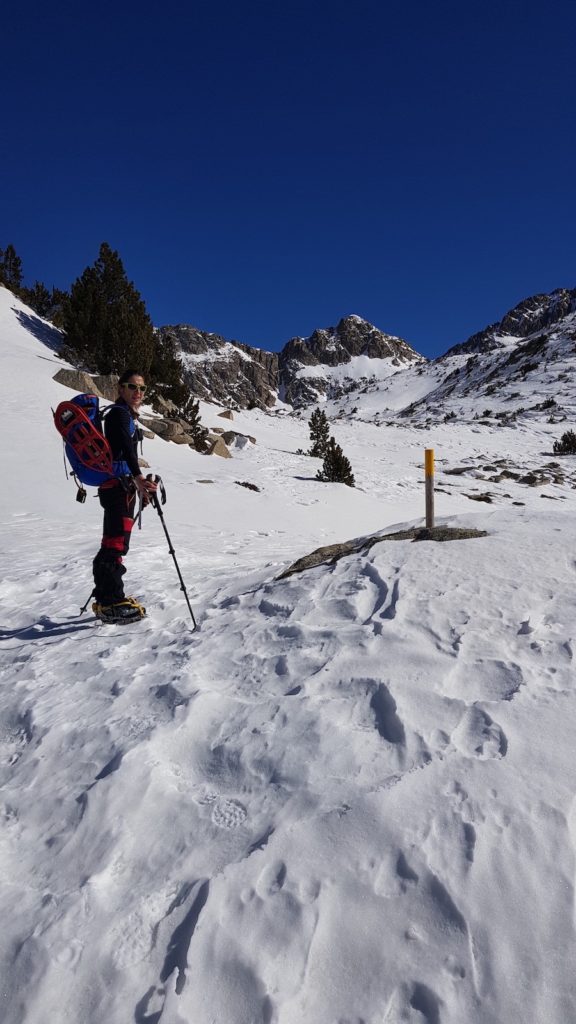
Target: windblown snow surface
(349,797)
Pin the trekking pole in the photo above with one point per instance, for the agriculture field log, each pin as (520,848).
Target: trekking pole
(84,607)
(158,508)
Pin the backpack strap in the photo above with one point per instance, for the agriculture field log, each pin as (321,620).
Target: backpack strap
(64,459)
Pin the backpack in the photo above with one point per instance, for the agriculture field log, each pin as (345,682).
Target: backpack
(79,421)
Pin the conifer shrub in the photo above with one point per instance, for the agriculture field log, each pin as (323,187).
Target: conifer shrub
(336,467)
(247,485)
(566,445)
(190,411)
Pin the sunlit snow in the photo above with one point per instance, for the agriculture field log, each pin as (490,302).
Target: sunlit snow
(349,797)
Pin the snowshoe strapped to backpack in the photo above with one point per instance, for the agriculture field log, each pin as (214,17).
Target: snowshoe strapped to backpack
(79,421)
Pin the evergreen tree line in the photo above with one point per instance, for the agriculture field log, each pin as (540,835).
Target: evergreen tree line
(46,303)
(105,322)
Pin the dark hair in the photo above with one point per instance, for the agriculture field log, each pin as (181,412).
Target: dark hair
(127,374)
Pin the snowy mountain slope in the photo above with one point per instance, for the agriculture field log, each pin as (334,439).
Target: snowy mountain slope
(513,379)
(350,796)
(356,370)
(522,368)
(519,378)
(537,313)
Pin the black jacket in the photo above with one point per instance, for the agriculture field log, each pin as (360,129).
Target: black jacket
(123,434)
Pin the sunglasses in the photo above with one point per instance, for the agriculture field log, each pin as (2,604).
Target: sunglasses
(135,387)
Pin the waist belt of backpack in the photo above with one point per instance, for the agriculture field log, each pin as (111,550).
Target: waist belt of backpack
(126,482)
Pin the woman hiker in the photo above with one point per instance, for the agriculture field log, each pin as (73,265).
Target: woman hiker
(118,499)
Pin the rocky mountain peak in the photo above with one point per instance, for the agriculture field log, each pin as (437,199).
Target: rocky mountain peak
(533,314)
(352,336)
(539,312)
(331,347)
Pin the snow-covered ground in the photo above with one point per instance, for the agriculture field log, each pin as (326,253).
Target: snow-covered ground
(349,797)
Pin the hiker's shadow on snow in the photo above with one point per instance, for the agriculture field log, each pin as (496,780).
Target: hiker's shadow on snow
(46,629)
(49,336)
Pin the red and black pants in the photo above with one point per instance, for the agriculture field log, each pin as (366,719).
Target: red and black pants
(118,504)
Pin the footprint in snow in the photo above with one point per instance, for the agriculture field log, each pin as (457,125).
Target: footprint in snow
(411,997)
(485,679)
(204,796)
(68,955)
(477,735)
(229,814)
(16,732)
(271,879)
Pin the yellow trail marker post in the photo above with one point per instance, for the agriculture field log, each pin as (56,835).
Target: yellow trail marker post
(429,472)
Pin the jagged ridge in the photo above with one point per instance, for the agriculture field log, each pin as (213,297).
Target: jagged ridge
(338,364)
(244,376)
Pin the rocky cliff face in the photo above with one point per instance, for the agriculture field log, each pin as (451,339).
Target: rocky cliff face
(332,347)
(241,376)
(226,372)
(534,314)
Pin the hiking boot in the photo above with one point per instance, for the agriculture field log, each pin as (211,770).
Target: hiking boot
(127,610)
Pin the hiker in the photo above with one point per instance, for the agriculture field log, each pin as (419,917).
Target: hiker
(118,499)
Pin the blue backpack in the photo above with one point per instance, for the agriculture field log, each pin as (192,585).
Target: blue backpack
(79,421)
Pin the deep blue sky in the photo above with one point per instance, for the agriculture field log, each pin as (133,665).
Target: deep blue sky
(265,168)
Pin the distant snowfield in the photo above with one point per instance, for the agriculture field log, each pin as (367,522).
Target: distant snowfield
(349,797)
(355,369)
(189,359)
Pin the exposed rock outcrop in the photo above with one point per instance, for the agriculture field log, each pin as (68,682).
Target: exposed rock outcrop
(226,371)
(107,385)
(216,446)
(332,553)
(531,315)
(78,381)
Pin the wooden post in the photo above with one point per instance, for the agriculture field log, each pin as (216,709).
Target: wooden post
(429,470)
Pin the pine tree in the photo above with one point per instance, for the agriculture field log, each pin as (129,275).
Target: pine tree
(56,312)
(166,370)
(319,431)
(10,269)
(105,319)
(38,298)
(336,467)
(190,412)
